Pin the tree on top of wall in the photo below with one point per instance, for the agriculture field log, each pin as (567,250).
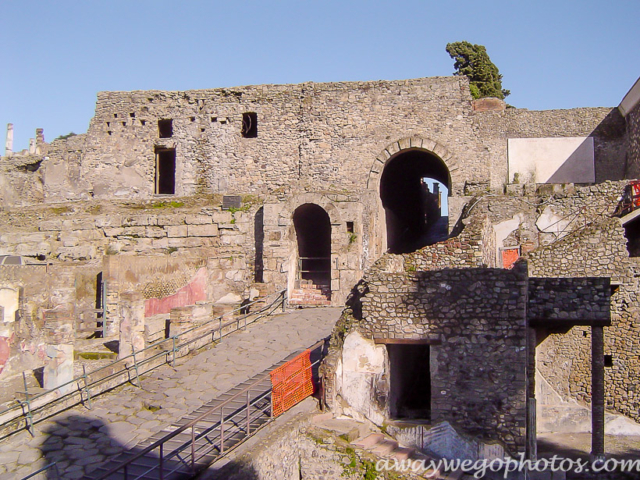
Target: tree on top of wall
(474,62)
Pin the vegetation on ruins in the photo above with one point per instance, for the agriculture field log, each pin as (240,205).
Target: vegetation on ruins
(473,61)
(64,137)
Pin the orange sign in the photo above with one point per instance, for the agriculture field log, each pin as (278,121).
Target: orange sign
(509,257)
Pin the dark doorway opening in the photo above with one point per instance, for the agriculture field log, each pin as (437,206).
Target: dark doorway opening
(410,395)
(166,171)
(413,208)
(632,232)
(258,226)
(313,231)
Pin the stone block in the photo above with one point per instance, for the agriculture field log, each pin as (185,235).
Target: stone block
(108,221)
(154,232)
(160,242)
(113,231)
(165,219)
(78,224)
(80,252)
(222,217)
(176,231)
(488,104)
(33,250)
(50,225)
(133,232)
(140,221)
(233,239)
(190,242)
(210,230)
(198,219)
(404,143)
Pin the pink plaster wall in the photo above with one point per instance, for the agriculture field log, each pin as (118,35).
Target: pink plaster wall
(188,295)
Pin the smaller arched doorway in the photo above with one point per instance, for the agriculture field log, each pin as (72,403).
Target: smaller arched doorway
(313,234)
(411,189)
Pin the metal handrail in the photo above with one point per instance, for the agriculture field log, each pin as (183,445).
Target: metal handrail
(46,467)
(159,443)
(27,412)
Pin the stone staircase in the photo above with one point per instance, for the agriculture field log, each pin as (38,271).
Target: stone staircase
(311,294)
(386,447)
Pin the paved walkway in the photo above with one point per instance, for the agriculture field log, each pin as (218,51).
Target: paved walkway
(80,439)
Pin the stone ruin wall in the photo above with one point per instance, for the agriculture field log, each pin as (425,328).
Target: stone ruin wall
(141,241)
(633,135)
(588,244)
(32,291)
(315,136)
(403,297)
(565,359)
(332,137)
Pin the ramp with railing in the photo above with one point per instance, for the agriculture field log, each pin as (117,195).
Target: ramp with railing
(204,436)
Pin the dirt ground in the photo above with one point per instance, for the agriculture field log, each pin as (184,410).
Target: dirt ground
(578,446)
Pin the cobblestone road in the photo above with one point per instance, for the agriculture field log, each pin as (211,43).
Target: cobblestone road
(80,439)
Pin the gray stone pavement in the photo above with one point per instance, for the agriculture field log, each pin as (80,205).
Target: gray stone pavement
(80,439)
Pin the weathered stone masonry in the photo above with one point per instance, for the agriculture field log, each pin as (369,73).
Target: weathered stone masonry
(598,250)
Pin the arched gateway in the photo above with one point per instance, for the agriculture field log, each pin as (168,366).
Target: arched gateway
(313,273)
(411,188)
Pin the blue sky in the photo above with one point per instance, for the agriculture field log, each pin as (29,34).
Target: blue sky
(56,55)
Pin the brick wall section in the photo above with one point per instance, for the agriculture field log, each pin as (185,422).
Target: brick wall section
(565,359)
(479,316)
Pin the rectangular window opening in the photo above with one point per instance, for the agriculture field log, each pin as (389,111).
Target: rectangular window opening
(608,360)
(166,171)
(132,115)
(250,125)
(349,227)
(165,128)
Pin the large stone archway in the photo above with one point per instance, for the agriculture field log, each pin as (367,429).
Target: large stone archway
(409,143)
(411,213)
